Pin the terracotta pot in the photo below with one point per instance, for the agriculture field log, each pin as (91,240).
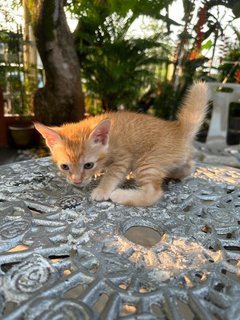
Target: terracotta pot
(22,135)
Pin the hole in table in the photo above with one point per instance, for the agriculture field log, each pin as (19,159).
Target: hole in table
(200,276)
(58,258)
(9,307)
(157,310)
(35,212)
(18,248)
(185,310)
(127,310)
(5,267)
(144,236)
(67,272)
(99,306)
(213,249)
(206,229)
(230,191)
(75,292)
(122,285)
(219,287)
(232,248)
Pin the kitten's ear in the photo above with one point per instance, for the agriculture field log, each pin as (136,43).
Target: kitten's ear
(100,134)
(51,136)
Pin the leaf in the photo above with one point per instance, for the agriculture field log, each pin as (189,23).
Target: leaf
(207,45)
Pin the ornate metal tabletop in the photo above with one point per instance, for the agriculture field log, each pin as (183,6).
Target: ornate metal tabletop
(64,256)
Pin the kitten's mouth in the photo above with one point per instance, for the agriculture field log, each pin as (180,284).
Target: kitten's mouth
(80,184)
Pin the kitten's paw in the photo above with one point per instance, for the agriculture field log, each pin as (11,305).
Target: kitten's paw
(118,196)
(99,194)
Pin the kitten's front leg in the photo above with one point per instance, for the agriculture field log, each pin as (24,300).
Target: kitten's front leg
(100,194)
(114,175)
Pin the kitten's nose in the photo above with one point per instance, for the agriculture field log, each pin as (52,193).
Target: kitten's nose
(76,179)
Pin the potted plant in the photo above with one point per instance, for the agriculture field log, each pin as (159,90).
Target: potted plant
(21,129)
(21,133)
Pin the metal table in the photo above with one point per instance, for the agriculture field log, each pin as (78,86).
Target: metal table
(64,256)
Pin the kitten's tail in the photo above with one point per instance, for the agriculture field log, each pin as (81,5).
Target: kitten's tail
(193,109)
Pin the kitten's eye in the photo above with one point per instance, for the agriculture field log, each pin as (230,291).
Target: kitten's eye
(88,165)
(64,167)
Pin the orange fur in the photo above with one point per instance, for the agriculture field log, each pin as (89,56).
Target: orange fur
(120,142)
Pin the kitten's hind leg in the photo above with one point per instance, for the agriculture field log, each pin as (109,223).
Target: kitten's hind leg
(182,171)
(149,178)
(145,196)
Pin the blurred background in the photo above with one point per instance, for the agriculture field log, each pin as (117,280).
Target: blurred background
(61,61)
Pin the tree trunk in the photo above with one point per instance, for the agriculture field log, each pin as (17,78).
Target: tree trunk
(61,99)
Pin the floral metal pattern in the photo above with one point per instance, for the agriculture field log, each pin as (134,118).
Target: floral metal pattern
(64,255)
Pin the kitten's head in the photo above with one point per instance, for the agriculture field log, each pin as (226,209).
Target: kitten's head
(78,152)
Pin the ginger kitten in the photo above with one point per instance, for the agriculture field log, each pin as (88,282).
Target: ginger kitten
(120,142)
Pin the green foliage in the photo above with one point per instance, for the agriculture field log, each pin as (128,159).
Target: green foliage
(229,70)
(14,79)
(120,70)
(164,104)
(117,71)
(107,7)
(207,45)
(116,67)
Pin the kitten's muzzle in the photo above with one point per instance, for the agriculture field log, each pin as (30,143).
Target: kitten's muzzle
(76,178)
(78,182)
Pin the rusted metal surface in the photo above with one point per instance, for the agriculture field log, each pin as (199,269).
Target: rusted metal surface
(64,256)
